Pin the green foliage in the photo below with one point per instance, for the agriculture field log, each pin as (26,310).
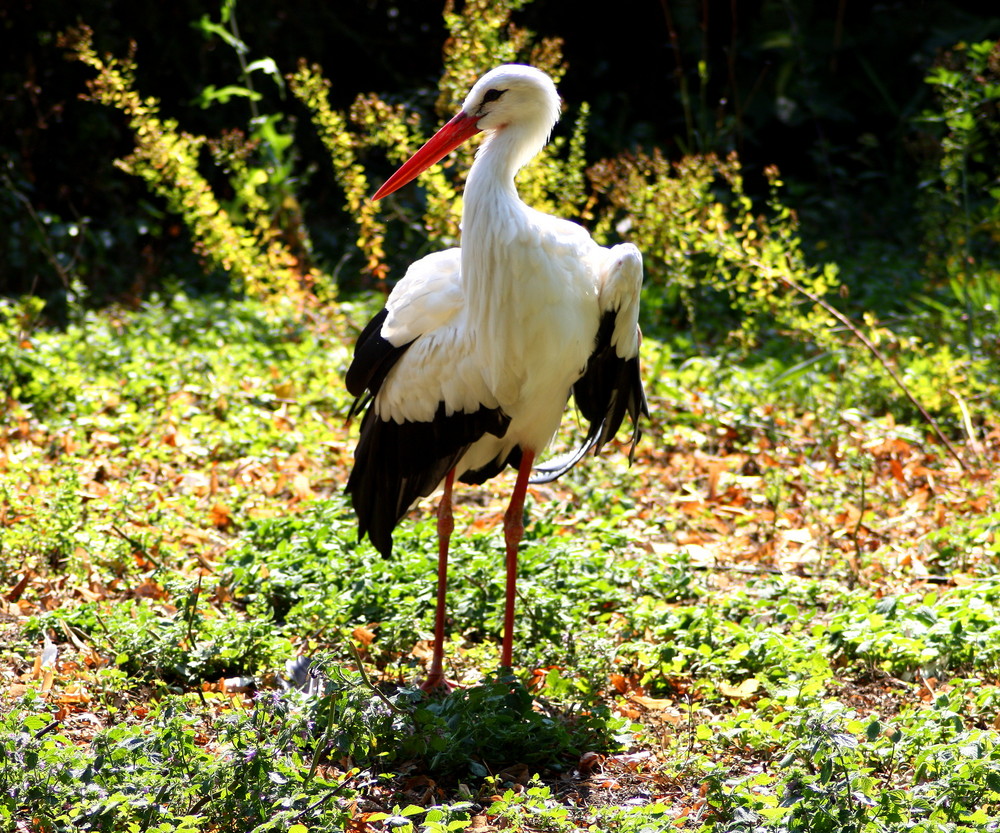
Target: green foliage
(261,167)
(697,228)
(748,671)
(497,723)
(968,545)
(963,219)
(308,573)
(954,633)
(961,211)
(129,355)
(841,771)
(342,146)
(23,375)
(752,636)
(47,541)
(711,258)
(158,775)
(258,236)
(165,387)
(185,642)
(167,159)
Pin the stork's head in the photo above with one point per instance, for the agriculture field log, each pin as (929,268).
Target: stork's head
(515,96)
(517,100)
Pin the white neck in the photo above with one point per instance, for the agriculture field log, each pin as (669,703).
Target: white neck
(495,225)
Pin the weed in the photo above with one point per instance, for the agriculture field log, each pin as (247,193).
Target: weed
(158,643)
(928,635)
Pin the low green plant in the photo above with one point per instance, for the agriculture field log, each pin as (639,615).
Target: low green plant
(46,540)
(493,725)
(930,634)
(721,646)
(160,643)
(158,775)
(308,572)
(924,769)
(514,809)
(968,545)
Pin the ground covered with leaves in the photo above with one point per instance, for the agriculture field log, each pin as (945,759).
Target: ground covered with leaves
(783,616)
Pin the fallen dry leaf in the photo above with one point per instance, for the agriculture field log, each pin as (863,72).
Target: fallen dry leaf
(364,635)
(744,691)
(15,592)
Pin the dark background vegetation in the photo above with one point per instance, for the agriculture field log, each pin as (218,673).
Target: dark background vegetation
(830,92)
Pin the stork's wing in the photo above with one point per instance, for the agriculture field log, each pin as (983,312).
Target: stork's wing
(428,297)
(402,457)
(611,385)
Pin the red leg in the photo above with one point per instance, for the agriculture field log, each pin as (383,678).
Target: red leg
(513,529)
(445,526)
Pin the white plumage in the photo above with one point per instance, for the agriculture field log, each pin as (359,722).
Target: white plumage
(470,365)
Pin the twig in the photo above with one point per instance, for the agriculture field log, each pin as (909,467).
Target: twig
(737,568)
(137,545)
(62,272)
(855,535)
(201,802)
(190,609)
(320,744)
(364,676)
(970,432)
(308,811)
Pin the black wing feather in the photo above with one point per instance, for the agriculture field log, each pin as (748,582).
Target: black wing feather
(396,463)
(374,357)
(609,388)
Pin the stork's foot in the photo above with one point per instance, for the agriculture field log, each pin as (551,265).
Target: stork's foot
(437,682)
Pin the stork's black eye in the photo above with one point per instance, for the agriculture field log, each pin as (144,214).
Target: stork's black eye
(492,95)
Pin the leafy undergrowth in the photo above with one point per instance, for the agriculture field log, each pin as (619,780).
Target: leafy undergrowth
(783,616)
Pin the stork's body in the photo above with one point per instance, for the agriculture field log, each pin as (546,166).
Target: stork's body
(472,361)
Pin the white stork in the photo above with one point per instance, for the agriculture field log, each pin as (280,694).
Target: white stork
(469,367)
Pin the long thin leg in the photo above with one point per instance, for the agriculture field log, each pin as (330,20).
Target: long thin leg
(513,529)
(445,526)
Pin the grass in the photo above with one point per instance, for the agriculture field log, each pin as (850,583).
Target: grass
(782,617)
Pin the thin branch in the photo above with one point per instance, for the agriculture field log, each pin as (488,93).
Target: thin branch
(367,680)
(50,256)
(870,346)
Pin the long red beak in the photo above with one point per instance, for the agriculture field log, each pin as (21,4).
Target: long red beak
(449,137)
